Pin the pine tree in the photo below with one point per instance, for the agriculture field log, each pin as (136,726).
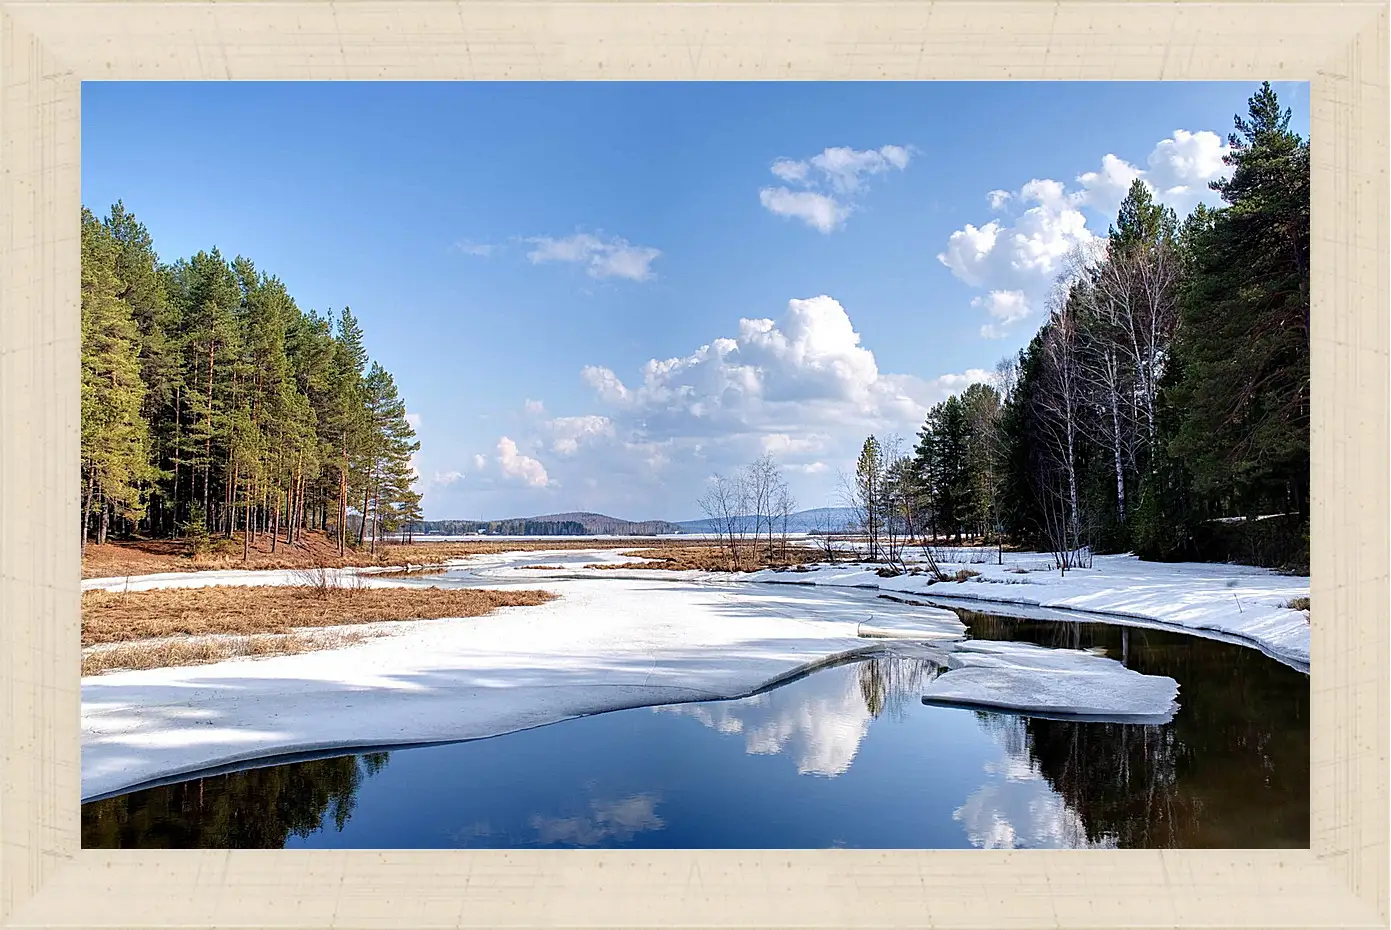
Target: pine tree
(346,424)
(941,455)
(389,443)
(212,403)
(115,436)
(869,478)
(981,408)
(144,289)
(1243,337)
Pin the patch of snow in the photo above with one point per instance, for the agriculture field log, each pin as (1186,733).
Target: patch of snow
(1240,601)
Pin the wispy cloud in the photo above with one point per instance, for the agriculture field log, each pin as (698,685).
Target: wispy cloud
(603,258)
(478,249)
(829,182)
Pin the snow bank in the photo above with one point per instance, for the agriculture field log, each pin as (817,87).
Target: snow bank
(1242,602)
(1032,679)
(611,641)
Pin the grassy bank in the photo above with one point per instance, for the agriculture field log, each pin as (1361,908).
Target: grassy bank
(707,558)
(189,626)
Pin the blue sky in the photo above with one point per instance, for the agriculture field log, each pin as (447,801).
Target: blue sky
(513,243)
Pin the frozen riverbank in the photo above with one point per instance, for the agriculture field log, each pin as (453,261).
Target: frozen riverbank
(1237,601)
(610,641)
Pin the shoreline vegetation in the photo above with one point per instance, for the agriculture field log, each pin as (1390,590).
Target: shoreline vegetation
(121,557)
(708,558)
(167,627)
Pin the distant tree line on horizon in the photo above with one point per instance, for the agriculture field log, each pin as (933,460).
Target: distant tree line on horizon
(578,524)
(1163,406)
(212,403)
(497,527)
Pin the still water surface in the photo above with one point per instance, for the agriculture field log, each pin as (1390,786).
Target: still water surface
(846,756)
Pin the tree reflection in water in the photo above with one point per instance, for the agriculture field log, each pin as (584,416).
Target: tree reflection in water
(253,809)
(894,683)
(1231,770)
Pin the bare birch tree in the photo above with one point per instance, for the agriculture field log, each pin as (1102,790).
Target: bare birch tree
(724,503)
(784,505)
(761,479)
(897,491)
(1060,406)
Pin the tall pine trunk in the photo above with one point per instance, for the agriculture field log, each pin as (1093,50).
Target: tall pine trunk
(178,391)
(342,503)
(87,508)
(228,503)
(105,520)
(208,444)
(366,499)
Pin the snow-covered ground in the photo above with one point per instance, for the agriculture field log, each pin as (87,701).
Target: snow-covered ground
(613,639)
(1241,603)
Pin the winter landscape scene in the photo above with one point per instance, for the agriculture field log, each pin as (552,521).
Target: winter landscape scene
(695,465)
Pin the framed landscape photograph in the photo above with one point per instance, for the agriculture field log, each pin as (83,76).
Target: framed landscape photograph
(694,464)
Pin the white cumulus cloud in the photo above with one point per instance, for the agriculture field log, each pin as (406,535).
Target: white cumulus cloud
(1016,256)
(522,467)
(801,386)
(570,432)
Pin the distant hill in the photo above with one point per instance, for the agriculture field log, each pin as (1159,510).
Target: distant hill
(551,524)
(584,523)
(598,524)
(806,521)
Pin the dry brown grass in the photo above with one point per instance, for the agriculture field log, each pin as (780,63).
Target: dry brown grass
(714,559)
(1299,603)
(168,653)
(145,557)
(112,617)
(544,568)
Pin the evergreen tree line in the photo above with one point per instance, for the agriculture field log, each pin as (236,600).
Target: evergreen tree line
(519,527)
(1162,407)
(212,404)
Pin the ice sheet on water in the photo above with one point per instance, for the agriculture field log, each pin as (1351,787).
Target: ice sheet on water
(1056,682)
(925,623)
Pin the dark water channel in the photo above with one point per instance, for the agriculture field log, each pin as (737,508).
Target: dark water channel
(846,756)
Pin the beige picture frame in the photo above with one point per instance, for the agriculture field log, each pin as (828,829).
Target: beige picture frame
(48,47)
